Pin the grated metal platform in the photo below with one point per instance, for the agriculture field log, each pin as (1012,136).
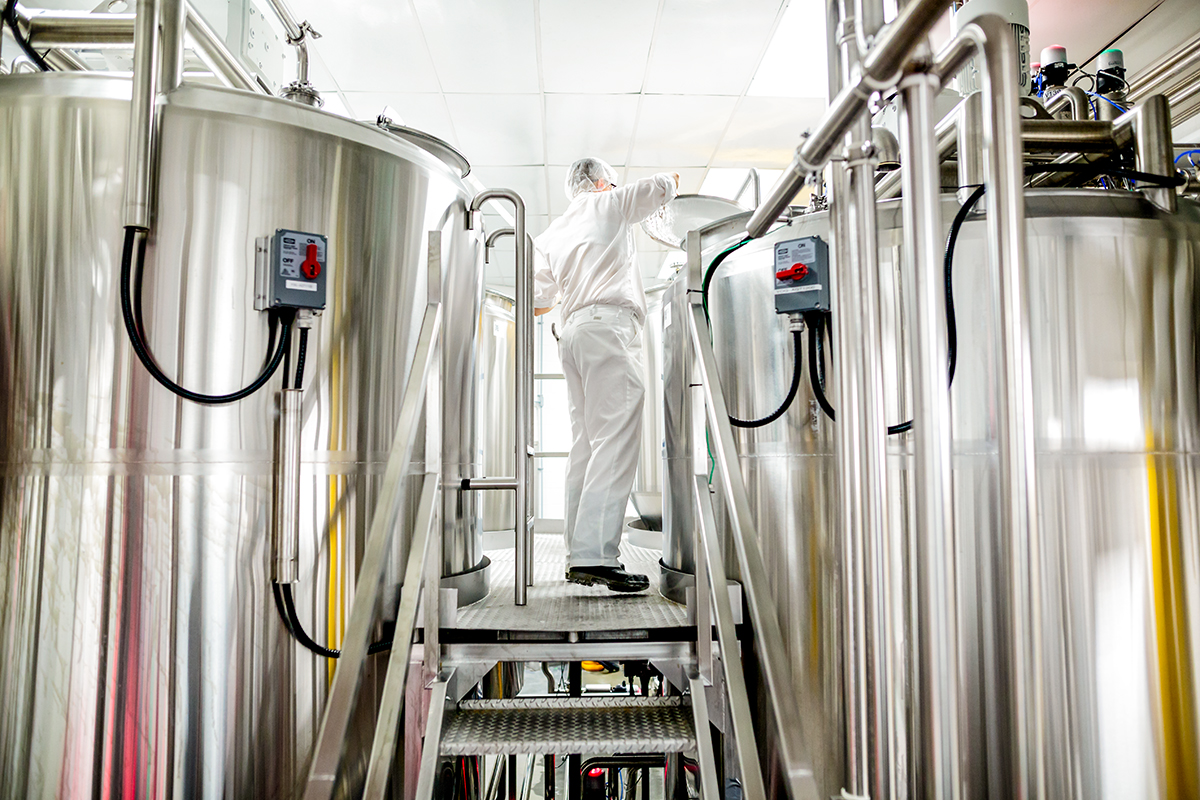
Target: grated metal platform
(584,725)
(555,605)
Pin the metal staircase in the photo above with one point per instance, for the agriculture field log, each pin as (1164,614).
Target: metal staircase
(420,715)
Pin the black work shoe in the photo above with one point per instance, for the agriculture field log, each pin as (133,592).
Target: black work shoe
(615,578)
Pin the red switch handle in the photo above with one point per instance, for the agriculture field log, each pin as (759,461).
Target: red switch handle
(797,272)
(311,268)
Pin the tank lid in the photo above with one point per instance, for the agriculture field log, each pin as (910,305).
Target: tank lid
(687,212)
(427,141)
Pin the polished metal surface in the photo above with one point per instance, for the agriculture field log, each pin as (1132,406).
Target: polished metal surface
(142,649)
(1113,335)
(647,486)
(497,401)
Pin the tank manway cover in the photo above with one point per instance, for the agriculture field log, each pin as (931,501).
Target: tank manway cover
(801,276)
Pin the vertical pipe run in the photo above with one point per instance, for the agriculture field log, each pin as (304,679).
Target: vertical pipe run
(1018,736)
(139,155)
(526,270)
(286,533)
(936,576)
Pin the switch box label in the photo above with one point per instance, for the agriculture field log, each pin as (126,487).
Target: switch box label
(802,275)
(298,267)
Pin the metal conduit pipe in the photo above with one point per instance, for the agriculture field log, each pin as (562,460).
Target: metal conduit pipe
(880,68)
(140,153)
(1021,727)
(61,30)
(524,378)
(174,20)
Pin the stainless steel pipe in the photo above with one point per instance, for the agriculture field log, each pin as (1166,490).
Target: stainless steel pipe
(140,153)
(285,534)
(524,368)
(937,618)
(1021,689)
(880,68)
(173,20)
(213,52)
(1149,123)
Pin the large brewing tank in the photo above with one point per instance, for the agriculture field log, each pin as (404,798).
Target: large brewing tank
(140,649)
(497,404)
(1114,343)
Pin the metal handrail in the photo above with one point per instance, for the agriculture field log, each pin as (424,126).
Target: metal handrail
(768,635)
(327,751)
(523,527)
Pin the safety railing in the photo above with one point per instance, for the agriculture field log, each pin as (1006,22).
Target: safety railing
(523,309)
(712,600)
(422,393)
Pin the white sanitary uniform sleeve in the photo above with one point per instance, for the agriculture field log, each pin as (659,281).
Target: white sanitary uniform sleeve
(587,255)
(601,350)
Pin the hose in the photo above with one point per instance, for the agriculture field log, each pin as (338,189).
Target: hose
(286,605)
(10,16)
(131,314)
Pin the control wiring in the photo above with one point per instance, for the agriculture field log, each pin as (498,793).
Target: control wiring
(134,252)
(797,346)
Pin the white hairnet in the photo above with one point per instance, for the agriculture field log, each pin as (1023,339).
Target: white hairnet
(584,173)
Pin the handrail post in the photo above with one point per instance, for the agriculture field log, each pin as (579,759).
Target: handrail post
(432,579)
(523,528)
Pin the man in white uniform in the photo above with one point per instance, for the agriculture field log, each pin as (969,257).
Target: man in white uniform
(586,261)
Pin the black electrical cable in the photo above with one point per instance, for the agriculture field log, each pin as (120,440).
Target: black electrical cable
(10,16)
(301,353)
(285,603)
(797,371)
(817,323)
(135,239)
(797,347)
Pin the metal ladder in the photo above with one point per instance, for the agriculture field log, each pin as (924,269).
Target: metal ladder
(708,667)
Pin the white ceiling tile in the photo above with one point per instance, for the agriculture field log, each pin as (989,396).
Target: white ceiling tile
(370,45)
(679,130)
(529,182)
(765,131)
(709,47)
(481,45)
(598,125)
(425,112)
(572,61)
(690,178)
(795,64)
(497,128)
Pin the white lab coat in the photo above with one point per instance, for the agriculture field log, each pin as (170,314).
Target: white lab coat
(587,257)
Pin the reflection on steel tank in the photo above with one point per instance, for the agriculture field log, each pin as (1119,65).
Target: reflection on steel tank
(1114,341)
(140,650)
(647,487)
(497,404)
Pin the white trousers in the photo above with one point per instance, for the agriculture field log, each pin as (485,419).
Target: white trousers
(601,349)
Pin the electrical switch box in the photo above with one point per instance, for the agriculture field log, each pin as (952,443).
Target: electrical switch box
(297,269)
(802,276)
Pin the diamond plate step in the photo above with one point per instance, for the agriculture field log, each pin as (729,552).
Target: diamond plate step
(585,725)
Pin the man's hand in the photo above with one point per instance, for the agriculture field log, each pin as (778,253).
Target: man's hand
(675,175)
(537,312)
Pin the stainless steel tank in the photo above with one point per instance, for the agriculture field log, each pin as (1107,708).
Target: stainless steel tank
(497,404)
(140,650)
(1114,341)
